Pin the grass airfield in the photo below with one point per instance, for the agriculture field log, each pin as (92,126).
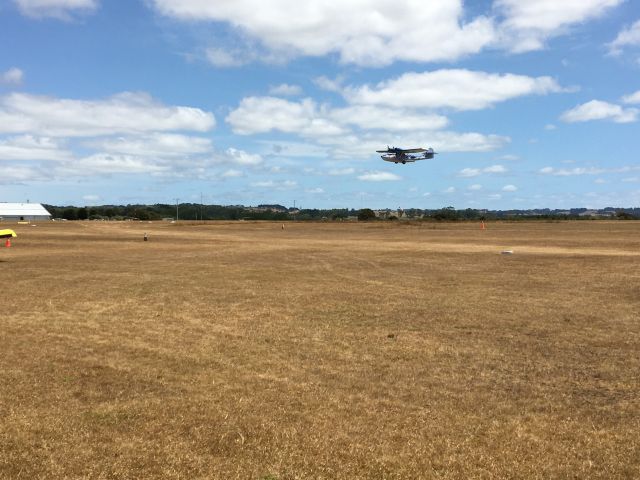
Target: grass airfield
(324,350)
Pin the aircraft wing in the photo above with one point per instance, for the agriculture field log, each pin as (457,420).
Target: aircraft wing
(414,150)
(6,233)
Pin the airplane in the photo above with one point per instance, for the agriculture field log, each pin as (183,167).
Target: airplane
(395,155)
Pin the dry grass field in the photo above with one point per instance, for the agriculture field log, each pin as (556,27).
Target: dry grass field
(321,351)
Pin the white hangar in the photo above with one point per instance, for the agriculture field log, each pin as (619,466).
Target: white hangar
(10,212)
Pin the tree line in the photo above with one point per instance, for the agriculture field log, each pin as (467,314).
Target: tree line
(193,211)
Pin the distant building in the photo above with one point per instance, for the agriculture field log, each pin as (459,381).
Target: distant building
(588,213)
(596,213)
(15,212)
(268,208)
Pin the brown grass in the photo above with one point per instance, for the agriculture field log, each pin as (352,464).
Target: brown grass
(241,350)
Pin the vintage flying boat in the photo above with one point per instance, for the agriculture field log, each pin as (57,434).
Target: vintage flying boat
(400,155)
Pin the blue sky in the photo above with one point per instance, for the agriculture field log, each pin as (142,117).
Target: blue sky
(529,103)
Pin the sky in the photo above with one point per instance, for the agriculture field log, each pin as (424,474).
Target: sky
(529,104)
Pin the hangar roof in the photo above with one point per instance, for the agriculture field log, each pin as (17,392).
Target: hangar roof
(23,209)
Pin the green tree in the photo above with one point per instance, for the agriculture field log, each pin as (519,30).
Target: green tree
(366,214)
(69,214)
(446,214)
(622,215)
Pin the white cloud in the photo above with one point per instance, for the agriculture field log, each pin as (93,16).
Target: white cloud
(60,9)
(16,174)
(363,32)
(285,185)
(449,190)
(284,89)
(474,172)
(13,76)
(469,172)
(291,149)
(158,154)
(27,147)
(333,126)
(454,88)
(380,32)
(494,196)
(599,110)
(629,37)
(527,25)
(156,145)
(315,191)
(389,119)
(103,163)
(475,187)
(463,142)
(377,176)
(263,114)
(509,188)
(495,169)
(351,145)
(355,130)
(328,84)
(123,113)
(221,57)
(549,126)
(632,97)
(240,157)
(565,172)
(342,171)
(232,173)
(91,198)
(363,145)
(263,184)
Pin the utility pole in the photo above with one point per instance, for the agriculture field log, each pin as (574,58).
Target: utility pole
(177,215)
